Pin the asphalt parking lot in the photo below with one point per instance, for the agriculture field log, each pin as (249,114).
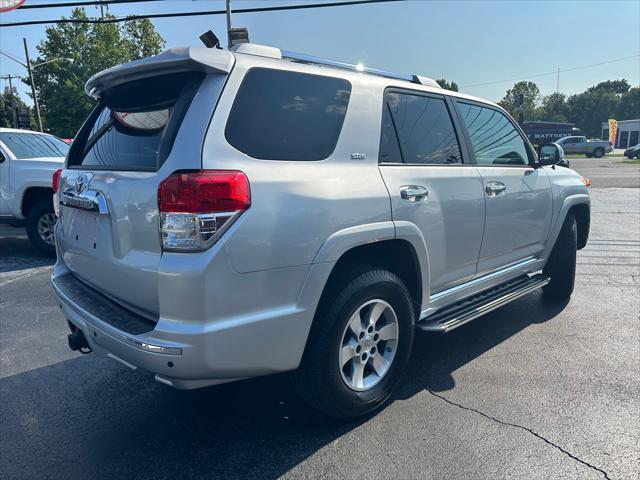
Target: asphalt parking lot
(533,390)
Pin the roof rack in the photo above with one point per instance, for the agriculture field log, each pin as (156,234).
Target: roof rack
(272,52)
(304,58)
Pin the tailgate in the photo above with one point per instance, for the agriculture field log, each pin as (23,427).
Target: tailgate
(108,233)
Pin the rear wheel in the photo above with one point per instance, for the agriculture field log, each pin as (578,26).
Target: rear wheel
(359,344)
(561,266)
(40,223)
(598,152)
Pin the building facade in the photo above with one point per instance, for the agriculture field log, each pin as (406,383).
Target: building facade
(628,133)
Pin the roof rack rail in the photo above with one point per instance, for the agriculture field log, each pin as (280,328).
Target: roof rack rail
(304,58)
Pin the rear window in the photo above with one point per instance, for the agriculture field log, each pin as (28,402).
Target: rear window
(282,115)
(33,145)
(134,125)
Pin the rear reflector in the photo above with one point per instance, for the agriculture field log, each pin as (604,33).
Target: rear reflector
(197,207)
(55,179)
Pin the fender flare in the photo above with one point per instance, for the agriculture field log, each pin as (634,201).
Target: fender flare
(344,240)
(567,204)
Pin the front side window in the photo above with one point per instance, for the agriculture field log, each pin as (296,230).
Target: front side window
(25,145)
(417,129)
(494,138)
(284,115)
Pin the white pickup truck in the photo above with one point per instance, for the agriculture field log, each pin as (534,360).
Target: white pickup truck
(27,163)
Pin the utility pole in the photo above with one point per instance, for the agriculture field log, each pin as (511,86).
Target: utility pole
(14,118)
(33,85)
(558,81)
(229,24)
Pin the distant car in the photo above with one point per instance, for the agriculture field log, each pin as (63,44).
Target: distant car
(590,148)
(632,152)
(27,162)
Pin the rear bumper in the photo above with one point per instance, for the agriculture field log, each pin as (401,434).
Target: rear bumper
(187,354)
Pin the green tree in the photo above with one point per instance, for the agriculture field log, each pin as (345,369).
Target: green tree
(92,48)
(531,94)
(553,109)
(447,85)
(6,107)
(589,109)
(618,87)
(629,106)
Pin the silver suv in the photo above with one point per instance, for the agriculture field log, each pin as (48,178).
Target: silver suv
(225,215)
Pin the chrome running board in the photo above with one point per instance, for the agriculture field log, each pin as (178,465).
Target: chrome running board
(465,310)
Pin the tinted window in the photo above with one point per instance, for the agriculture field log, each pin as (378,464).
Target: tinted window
(134,126)
(33,145)
(116,143)
(389,148)
(280,115)
(424,131)
(494,139)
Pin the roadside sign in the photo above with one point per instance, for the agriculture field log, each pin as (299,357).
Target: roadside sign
(22,115)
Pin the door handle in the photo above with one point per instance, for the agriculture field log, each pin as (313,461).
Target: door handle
(495,188)
(413,193)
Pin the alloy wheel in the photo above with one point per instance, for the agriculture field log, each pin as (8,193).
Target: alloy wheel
(369,345)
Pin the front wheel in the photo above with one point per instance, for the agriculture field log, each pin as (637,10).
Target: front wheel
(561,266)
(598,152)
(359,344)
(40,224)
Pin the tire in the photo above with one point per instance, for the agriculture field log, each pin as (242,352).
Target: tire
(561,266)
(40,228)
(598,152)
(331,385)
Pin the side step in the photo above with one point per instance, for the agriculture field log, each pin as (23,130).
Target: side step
(470,308)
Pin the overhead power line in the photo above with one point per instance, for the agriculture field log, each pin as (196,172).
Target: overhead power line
(82,4)
(197,13)
(555,72)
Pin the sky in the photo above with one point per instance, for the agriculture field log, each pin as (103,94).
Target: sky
(484,46)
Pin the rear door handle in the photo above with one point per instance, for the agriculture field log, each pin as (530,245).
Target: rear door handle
(413,193)
(495,188)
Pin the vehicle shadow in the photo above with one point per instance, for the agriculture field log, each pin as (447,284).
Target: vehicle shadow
(92,417)
(16,251)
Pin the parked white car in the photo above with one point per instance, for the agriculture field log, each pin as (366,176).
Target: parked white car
(27,163)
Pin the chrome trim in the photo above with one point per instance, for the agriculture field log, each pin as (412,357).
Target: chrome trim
(479,280)
(455,322)
(87,200)
(304,58)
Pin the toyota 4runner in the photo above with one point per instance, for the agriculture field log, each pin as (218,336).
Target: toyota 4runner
(225,215)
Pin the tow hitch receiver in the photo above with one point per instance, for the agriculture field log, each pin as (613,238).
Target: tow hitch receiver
(77,341)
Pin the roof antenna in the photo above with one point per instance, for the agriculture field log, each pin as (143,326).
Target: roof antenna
(210,40)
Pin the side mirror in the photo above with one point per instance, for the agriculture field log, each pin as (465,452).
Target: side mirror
(550,154)
(2,159)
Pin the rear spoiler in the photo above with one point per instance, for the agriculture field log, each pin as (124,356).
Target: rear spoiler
(175,60)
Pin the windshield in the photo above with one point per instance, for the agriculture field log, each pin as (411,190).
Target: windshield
(25,145)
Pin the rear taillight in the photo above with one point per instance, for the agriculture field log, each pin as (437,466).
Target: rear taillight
(55,179)
(197,207)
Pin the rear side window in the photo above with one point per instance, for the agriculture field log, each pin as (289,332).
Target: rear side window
(282,115)
(33,145)
(494,139)
(417,129)
(134,125)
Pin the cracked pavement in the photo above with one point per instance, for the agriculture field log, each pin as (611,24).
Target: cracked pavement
(533,390)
